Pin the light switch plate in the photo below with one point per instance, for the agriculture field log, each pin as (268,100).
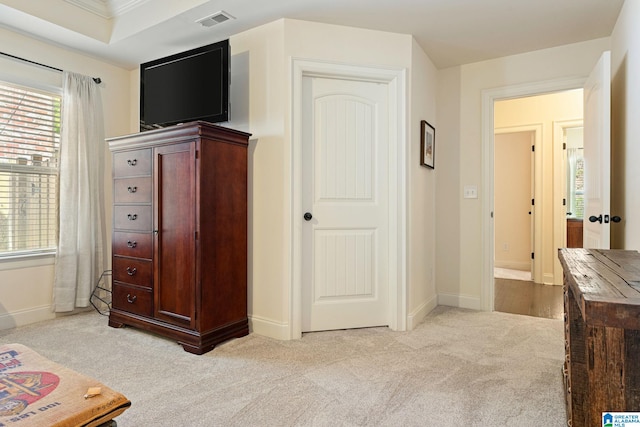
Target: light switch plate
(470,192)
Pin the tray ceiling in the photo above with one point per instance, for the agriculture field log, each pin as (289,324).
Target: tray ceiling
(107,8)
(451,32)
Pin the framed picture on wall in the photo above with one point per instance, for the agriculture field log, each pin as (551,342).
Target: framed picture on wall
(427,144)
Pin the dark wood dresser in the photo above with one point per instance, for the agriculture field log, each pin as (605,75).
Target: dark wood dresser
(602,333)
(574,233)
(180,233)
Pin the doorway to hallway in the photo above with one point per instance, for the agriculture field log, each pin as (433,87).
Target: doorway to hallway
(530,216)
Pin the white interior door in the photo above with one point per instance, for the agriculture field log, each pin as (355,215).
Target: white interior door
(532,211)
(345,238)
(597,155)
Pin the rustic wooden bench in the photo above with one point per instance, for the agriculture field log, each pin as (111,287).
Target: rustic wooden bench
(602,333)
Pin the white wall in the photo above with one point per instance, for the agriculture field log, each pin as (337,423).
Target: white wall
(625,127)
(460,266)
(421,189)
(270,50)
(448,201)
(26,287)
(268,186)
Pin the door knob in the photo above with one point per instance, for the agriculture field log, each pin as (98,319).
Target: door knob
(308,216)
(594,218)
(616,219)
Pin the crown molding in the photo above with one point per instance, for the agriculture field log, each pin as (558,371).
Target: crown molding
(107,8)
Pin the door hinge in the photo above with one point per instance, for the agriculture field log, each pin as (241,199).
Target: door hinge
(533,202)
(196,154)
(532,255)
(564,202)
(564,145)
(533,148)
(195,235)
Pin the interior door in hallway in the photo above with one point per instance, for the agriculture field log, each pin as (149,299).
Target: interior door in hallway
(346,203)
(597,155)
(514,193)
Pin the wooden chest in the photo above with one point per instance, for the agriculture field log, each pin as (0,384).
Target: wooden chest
(602,333)
(180,233)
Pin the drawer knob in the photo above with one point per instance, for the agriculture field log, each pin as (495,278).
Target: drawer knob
(132,217)
(132,189)
(131,299)
(132,162)
(131,271)
(131,244)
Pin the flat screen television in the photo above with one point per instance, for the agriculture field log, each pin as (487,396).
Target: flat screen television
(188,86)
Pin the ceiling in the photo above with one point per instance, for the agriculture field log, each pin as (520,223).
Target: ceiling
(451,32)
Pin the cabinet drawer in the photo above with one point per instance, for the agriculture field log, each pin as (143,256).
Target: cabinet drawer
(132,271)
(132,299)
(132,190)
(131,217)
(132,163)
(132,244)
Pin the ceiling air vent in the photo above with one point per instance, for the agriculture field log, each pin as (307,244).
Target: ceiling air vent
(215,19)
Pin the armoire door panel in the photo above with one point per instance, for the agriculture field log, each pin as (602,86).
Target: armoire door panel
(175,225)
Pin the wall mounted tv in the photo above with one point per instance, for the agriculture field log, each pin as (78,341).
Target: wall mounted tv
(188,86)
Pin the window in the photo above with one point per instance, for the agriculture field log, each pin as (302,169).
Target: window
(29,148)
(575,183)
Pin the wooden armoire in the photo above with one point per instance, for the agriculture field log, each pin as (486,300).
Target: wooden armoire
(180,233)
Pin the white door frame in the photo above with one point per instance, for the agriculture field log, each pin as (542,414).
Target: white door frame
(560,189)
(489,96)
(395,79)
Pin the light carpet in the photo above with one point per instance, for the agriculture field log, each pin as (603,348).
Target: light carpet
(457,368)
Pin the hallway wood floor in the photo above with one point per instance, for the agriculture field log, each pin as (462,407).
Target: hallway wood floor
(528,298)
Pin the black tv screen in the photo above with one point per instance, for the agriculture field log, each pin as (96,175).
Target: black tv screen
(188,86)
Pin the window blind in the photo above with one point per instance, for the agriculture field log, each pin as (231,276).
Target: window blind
(29,148)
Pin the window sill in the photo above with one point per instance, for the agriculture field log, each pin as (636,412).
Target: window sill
(18,261)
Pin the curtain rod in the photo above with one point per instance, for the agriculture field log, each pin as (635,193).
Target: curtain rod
(98,80)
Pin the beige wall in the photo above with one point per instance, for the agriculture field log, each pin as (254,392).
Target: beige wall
(448,190)
(625,127)
(543,111)
(268,164)
(270,50)
(267,51)
(459,276)
(457,250)
(26,286)
(421,189)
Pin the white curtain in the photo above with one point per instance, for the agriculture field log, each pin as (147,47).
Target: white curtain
(80,259)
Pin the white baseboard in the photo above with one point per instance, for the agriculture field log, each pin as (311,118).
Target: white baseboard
(418,315)
(269,328)
(460,301)
(513,265)
(26,317)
